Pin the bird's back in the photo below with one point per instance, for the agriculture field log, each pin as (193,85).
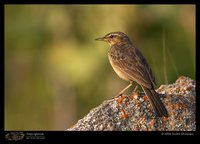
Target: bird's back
(130,64)
(146,66)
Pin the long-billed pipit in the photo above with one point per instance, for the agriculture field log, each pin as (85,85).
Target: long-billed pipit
(129,63)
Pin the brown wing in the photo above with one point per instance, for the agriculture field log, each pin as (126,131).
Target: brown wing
(132,63)
(148,69)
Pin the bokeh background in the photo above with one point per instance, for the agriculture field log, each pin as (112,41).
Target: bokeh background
(55,72)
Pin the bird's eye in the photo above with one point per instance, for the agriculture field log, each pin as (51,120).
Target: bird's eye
(111,36)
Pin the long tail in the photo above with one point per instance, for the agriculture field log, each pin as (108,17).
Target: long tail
(156,102)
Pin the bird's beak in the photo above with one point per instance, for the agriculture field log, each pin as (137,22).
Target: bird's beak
(100,39)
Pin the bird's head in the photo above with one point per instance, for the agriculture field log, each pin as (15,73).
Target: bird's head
(115,38)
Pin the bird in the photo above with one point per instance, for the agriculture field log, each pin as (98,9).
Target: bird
(130,64)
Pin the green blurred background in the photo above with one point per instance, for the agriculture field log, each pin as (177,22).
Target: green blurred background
(55,72)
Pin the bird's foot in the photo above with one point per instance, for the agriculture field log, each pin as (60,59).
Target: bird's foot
(134,91)
(119,95)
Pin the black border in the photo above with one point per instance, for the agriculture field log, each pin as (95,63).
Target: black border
(99,137)
(100,2)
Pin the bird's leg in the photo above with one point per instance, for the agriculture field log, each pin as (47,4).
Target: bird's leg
(120,93)
(135,88)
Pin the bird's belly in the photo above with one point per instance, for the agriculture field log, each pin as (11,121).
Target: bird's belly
(117,70)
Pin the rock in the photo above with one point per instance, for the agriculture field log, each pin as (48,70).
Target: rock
(134,113)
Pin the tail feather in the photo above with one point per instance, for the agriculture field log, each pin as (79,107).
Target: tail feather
(156,102)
